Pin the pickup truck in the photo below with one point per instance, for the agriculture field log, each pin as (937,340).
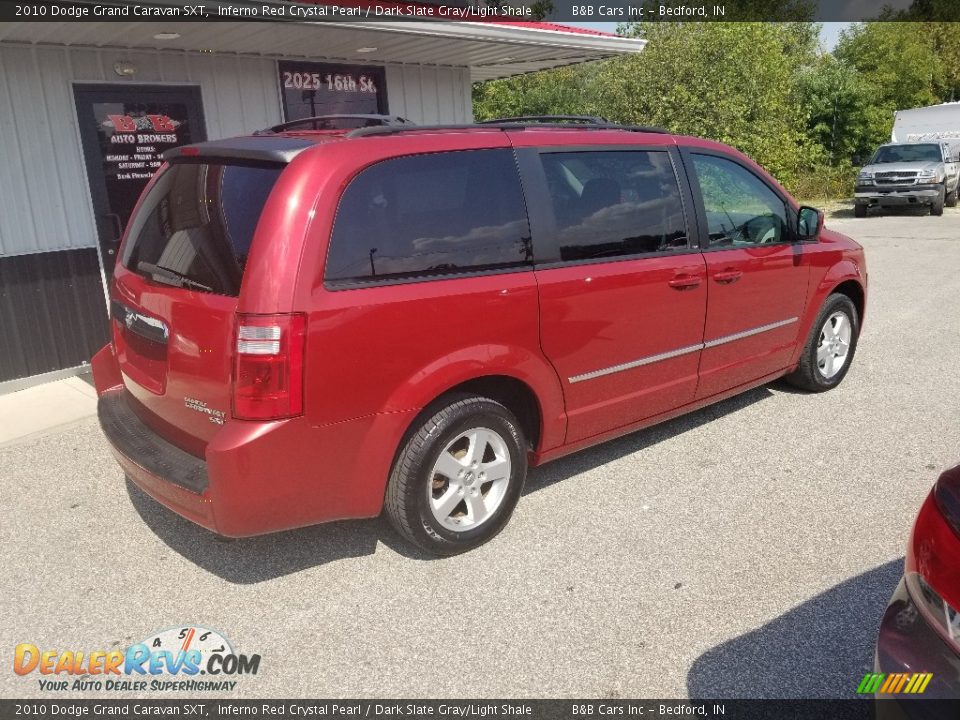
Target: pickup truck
(916,173)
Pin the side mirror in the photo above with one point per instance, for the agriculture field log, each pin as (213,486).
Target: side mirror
(858,159)
(809,223)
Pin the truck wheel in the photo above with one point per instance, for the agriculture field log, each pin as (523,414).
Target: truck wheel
(860,210)
(936,207)
(952,199)
(457,479)
(830,347)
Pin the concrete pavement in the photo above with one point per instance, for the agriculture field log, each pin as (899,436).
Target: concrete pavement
(42,408)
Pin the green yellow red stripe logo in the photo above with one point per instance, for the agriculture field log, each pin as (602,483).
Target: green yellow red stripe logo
(894,683)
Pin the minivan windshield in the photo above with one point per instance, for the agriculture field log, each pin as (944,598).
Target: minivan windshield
(195,227)
(907,153)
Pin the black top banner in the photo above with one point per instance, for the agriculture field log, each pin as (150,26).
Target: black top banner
(482,709)
(605,11)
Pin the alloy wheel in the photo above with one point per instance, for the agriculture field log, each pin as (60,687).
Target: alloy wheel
(469,479)
(834,345)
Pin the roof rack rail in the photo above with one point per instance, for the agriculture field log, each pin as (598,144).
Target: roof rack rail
(501,125)
(337,122)
(394,129)
(572,119)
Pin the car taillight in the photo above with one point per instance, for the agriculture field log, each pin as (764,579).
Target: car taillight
(268,366)
(947,494)
(930,572)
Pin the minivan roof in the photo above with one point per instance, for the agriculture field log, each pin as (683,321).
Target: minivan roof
(284,146)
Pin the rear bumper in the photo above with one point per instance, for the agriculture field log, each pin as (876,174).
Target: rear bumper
(132,439)
(168,474)
(254,477)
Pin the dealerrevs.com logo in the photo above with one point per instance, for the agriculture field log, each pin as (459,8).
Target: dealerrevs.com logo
(187,658)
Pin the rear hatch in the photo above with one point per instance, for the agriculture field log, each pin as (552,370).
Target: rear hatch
(176,290)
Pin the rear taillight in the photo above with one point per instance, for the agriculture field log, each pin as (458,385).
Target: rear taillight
(268,366)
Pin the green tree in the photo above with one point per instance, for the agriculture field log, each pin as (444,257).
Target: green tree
(728,81)
(839,105)
(899,63)
(563,91)
(945,37)
(927,10)
(764,88)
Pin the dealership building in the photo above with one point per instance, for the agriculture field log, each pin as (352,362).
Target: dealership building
(87,108)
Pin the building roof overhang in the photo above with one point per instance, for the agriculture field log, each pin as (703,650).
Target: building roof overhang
(489,49)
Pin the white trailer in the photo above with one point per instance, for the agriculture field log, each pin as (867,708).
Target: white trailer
(937,123)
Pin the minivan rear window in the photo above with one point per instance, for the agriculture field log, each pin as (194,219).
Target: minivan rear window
(195,226)
(428,215)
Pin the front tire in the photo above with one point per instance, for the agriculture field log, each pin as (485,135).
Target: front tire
(830,347)
(936,207)
(860,210)
(952,198)
(458,477)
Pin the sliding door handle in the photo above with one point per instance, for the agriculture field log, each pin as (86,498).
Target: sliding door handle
(684,282)
(727,276)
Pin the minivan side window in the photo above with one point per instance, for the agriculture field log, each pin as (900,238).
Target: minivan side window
(741,209)
(614,203)
(433,214)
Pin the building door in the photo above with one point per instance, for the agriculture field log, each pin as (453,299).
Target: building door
(125,129)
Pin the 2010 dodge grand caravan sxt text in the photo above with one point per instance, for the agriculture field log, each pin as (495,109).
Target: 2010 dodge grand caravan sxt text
(312,326)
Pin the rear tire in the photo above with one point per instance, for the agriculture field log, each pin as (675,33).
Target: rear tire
(936,207)
(860,210)
(458,477)
(952,199)
(830,347)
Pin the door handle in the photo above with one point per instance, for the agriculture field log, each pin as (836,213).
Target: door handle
(727,276)
(684,282)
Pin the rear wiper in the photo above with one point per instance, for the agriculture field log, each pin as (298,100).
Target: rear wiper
(172,277)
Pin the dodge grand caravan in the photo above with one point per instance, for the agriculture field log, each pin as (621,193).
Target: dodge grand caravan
(313,326)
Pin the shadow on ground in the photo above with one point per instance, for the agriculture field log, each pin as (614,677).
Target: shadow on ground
(253,560)
(577,463)
(820,649)
(257,559)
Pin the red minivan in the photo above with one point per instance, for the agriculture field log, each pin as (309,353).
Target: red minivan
(312,326)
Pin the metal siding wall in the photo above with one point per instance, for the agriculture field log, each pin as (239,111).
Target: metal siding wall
(41,166)
(51,312)
(45,203)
